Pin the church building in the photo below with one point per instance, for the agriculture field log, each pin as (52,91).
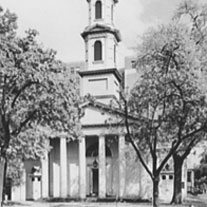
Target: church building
(98,164)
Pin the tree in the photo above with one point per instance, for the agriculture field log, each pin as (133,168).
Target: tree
(38,97)
(196,16)
(167,101)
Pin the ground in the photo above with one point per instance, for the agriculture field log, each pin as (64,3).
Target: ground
(196,201)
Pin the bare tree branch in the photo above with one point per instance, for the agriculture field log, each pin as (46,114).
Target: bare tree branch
(132,142)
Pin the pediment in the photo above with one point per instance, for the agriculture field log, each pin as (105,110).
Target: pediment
(98,27)
(97,115)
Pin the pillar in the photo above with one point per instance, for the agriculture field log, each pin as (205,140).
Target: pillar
(193,179)
(54,184)
(63,168)
(102,167)
(122,166)
(45,176)
(2,167)
(23,185)
(82,168)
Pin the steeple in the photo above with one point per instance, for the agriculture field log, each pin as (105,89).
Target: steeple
(101,77)
(100,36)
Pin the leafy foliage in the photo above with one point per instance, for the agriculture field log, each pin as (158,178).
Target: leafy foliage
(38,98)
(168,99)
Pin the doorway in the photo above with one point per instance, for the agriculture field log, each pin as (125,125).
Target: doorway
(95,181)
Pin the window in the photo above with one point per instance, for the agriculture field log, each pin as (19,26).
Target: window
(133,64)
(72,70)
(189,176)
(98,12)
(170,177)
(167,167)
(98,51)
(164,177)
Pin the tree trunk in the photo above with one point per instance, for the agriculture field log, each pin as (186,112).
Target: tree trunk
(2,168)
(177,187)
(155,201)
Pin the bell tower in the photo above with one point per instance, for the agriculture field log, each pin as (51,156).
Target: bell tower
(101,77)
(101,11)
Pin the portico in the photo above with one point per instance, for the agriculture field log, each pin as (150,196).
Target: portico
(100,164)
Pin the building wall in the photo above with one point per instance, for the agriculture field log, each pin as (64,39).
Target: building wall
(133,174)
(138,182)
(100,85)
(33,182)
(166,186)
(18,193)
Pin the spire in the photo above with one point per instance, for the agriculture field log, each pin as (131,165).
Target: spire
(100,36)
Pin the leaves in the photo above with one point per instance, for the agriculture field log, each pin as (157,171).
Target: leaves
(168,99)
(39,98)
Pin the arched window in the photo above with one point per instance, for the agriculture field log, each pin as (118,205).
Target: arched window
(98,12)
(98,51)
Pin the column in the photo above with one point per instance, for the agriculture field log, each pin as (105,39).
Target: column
(2,165)
(55,168)
(23,186)
(63,168)
(102,167)
(122,166)
(45,176)
(192,178)
(82,168)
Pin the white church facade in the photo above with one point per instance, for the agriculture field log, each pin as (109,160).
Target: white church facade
(97,164)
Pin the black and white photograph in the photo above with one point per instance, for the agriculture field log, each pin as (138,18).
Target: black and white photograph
(103,103)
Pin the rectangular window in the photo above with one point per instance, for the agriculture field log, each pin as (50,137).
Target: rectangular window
(189,177)
(133,64)
(72,70)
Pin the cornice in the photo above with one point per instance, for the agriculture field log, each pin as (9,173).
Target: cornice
(101,71)
(100,28)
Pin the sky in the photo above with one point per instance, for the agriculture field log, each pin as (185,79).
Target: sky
(60,22)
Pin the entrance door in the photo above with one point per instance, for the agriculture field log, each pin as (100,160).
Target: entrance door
(95,181)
